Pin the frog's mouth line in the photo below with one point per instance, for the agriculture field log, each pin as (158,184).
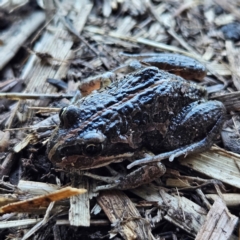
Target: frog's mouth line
(82,162)
(77,146)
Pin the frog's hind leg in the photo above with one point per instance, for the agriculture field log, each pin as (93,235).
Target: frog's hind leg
(195,147)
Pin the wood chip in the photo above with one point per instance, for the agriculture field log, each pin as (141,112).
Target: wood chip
(230,199)
(41,201)
(181,211)
(36,188)
(79,212)
(4,140)
(124,216)
(234,59)
(18,223)
(216,163)
(219,223)
(230,100)
(20,31)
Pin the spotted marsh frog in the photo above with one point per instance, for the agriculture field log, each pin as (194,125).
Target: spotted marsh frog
(150,109)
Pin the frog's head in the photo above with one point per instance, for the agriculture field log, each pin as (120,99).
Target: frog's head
(74,145)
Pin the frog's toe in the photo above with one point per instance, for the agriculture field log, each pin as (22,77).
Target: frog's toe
(106,187)
(171,158)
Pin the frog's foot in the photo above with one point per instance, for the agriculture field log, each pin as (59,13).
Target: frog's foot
(197,147)
(95,83)
(140,176)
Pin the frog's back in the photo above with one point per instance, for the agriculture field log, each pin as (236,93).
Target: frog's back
(132,84)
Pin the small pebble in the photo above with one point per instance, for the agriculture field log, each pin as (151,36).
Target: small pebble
(231,31)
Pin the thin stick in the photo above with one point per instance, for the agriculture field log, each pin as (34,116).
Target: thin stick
(17,96)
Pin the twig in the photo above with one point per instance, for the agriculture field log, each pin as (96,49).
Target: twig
(45,109)
(19,96)
(204,199)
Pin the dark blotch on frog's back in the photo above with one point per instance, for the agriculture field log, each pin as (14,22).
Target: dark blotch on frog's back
(94,103)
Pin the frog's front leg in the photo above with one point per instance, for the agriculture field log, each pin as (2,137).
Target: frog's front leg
(140,176)
(97,82)
(193,131)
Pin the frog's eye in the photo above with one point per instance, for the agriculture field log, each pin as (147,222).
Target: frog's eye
(93,149)
(69,116)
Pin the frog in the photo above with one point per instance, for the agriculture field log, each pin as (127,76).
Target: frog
(148,109)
